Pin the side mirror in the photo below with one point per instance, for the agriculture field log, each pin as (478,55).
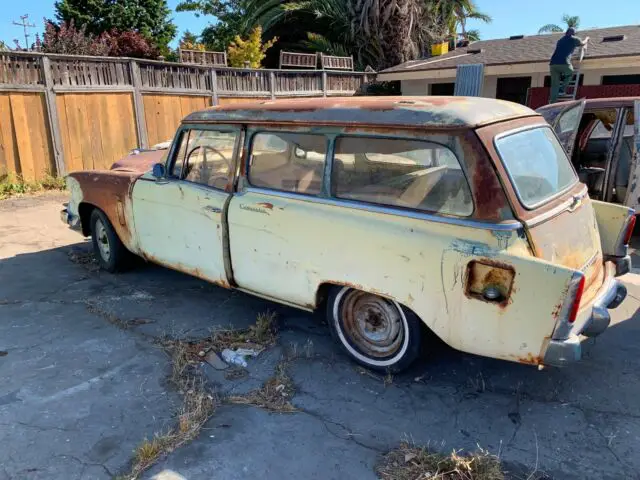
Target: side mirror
(159,171)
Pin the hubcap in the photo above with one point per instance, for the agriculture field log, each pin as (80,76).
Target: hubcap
(103,241)
(373,325)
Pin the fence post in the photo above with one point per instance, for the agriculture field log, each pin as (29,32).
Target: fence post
(214,87)
(272,83)
(138,105)
(324,83)
(52,117)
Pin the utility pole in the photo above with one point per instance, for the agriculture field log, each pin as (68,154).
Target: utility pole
(24,24)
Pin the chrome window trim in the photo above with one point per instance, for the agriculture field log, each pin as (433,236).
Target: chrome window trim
(250,135)
(368,207)
(177,139)
(513,183)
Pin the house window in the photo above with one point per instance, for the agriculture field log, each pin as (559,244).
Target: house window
(620,79)
(513,89)
(442,88)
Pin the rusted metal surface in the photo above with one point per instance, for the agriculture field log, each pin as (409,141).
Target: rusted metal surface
(105,190)
(140,162)
(413,112)
(490,201)
(371,324)
(485,273)
(633,192)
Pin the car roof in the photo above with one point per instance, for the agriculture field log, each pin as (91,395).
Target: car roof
(435,112)
(610,102)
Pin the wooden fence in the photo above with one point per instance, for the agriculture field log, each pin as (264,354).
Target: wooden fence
(60,113)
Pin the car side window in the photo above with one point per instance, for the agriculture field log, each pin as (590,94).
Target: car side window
(405,173)
(206,157)
(291,162)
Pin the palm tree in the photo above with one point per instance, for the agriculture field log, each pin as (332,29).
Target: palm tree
(379,33)
(570,21)
(456,13)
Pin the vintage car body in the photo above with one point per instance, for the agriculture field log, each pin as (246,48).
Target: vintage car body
(602,138)
(397,213)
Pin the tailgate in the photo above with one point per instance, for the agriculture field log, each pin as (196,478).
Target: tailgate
(571,239)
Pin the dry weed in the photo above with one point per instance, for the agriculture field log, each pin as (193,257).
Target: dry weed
(274,396)
(198,405)
(85,258)
(415,463)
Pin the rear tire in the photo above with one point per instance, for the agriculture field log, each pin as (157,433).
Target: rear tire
(376,332)
(111,253)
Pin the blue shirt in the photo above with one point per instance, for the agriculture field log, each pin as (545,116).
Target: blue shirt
(564,49)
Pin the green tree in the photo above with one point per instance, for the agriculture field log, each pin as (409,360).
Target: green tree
(189,41)
(455,13)
(249,52)
(3,46)
(569,20)
(150,18)
(379,33)
(230,15)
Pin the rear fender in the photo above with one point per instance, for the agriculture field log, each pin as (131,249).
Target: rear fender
(613,221)
(519,327)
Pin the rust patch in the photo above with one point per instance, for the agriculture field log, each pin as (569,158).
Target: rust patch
(194,272)
(529,359)
(490,200)
(485,273)
(267,205)
(106,190)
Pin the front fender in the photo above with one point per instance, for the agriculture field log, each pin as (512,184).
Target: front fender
(110,191)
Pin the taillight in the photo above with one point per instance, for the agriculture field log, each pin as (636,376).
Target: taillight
(629,232)
(577,296)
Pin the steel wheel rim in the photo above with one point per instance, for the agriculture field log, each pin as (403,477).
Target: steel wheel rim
(372,328)
(102,239)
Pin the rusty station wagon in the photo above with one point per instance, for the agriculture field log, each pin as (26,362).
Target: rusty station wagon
(403,217)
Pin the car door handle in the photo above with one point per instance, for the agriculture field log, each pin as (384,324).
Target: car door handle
(212,209)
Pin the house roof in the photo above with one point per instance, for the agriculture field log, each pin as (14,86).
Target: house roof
(529,49)
(435,112)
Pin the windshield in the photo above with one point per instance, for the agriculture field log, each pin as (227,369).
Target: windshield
(536,163)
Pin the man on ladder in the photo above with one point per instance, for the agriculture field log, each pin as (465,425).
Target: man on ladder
(560,64)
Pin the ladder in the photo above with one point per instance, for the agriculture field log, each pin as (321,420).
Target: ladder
(571,87)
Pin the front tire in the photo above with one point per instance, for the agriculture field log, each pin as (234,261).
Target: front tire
(111,253)
(376,332)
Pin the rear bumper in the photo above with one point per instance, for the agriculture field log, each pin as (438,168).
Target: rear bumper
(72,221)
(623,265)
(562,352)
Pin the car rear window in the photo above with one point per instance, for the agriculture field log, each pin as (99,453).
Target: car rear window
(536,163)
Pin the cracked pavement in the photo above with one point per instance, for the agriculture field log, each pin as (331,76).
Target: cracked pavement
(83,383)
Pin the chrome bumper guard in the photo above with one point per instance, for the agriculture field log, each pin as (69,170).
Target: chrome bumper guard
(563,352)
(73,221)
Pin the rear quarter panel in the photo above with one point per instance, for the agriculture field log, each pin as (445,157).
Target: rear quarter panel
(421,264)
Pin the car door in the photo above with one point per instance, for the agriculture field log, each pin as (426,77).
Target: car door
(565,119)
(633,192)
(179,217)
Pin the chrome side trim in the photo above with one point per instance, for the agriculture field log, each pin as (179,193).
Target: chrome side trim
(274,299)
(507,226)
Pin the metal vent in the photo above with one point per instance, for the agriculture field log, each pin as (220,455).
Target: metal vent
(475,50)
(516,37)
(614,38)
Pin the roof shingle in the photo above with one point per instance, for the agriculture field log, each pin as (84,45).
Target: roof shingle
(536,48)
